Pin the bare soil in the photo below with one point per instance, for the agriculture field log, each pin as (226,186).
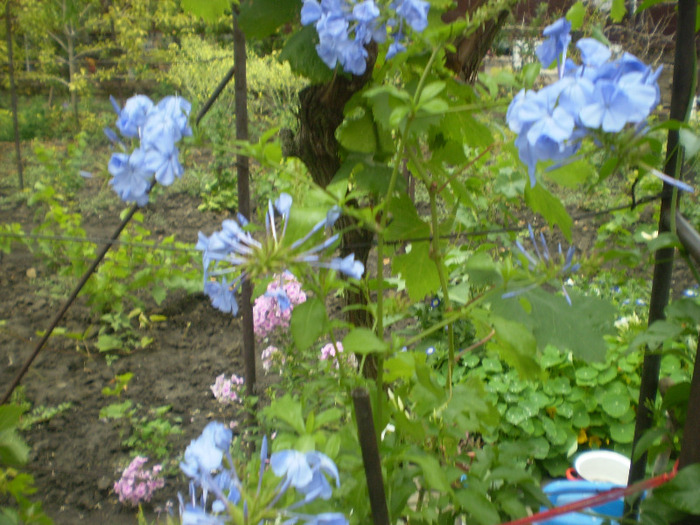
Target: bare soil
(76,457)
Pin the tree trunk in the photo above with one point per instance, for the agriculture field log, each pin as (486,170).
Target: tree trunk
(322,111)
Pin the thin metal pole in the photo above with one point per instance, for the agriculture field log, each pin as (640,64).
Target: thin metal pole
(57,318)
(13,93)
(370,456)
(219,89)
(243,173)
(682,92)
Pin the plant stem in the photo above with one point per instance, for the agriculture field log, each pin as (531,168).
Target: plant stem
(436,255)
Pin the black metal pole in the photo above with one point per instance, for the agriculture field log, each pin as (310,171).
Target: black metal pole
(212,98)
(684,72)
(243,173)
(370,456)
(13,93)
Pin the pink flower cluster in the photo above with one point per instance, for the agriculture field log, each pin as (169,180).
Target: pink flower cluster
(329,351)
(138,484)
(228,391)
(272,356)
(267,314)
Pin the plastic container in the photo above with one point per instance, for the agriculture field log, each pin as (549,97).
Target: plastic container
(562,492)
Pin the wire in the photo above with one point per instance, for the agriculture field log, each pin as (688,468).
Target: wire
(452,236)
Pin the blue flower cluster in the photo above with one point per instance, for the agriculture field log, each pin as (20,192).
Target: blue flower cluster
(203,463)
(159,127)
(345,27)
(562,265)
(601,94)
(235,250)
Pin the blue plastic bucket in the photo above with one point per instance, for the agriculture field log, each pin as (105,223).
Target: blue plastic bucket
(563,492)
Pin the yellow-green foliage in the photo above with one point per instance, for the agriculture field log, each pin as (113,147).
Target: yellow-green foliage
(272,87)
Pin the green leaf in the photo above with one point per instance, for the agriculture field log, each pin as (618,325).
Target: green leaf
(541,201)
(287,409)
(573,174)
(431,91)
(462,128)
(300,52)
(510,183)
(210,10)
(614,404)
(578,328)
(682,491)
(649,3)
(575,15)
(116,410)
(433,472)
(618,10)
(358,134)
(655,335)
(308,323)
(418,271)
(482,270)
(13,450)
(9,416)
(405,221)
(530,73)
(517,346)
(107,343)
(261,18)
(363,341)
(477,506)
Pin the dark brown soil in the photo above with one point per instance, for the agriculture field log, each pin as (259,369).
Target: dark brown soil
(76,457)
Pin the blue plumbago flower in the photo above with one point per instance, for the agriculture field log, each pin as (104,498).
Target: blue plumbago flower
(599,96)
(306,472)
(233,250)
(345,27)
(325,518)
(159,127)
(130,180)
(557,265)
(554,48)
(203,464)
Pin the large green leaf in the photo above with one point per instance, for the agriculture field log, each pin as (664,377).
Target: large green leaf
(418,271)
(682,492)
(210,10)
(517,346)
(405,222)
(13,450)
(433,473)
(573,174)
(541,201)
(578,328)
(356,133)
(287,409)
(9,416)
(261,18)
(363,341)
(308,322)
(618,10)
(477,506)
